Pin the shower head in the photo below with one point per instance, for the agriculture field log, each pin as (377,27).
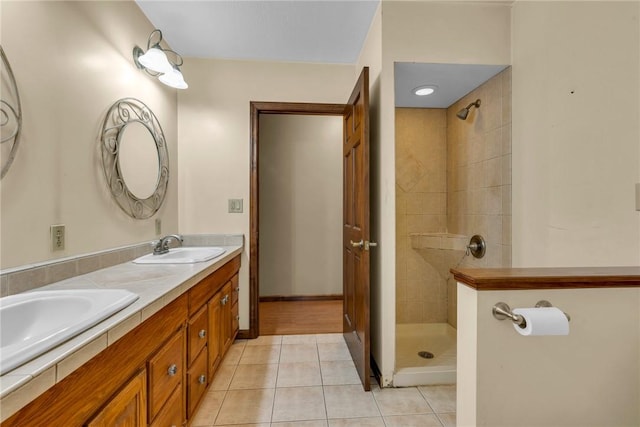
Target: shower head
(462,114)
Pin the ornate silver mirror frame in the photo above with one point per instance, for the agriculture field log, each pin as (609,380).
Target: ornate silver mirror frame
(10,115)
(122,113)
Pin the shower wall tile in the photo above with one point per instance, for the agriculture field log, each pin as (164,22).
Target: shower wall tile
(477,148)
(493,142)
(421,203)
(506,199)
(493,170)
(495,229)
(506,95)
(482,205)
(506,230)
(432,182)
(491,107)
(409,173)
(425,223)
(494,201)
(506,169)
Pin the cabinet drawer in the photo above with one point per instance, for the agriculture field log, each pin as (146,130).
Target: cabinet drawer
(198,331)
(196,381)
(165,372)
(235,289)
(235,320)
(171,414)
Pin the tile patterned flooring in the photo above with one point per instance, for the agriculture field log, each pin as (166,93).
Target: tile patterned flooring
(310,381)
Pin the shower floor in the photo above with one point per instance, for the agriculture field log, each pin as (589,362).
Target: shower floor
(436,338)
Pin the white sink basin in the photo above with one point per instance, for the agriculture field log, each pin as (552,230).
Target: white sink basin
(188,255)
(34,322)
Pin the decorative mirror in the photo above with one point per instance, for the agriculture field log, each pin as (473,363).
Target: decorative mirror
(135,158)
(10,116)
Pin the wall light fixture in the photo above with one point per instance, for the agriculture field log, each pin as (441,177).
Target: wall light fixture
(155,62)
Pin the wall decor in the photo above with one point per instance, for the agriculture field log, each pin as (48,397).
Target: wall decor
(10,115)
(135,159)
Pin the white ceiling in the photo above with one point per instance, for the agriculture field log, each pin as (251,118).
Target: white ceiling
(327,31)
(453,81)
(317,31)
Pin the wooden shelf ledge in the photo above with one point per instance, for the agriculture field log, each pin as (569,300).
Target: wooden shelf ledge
(491,279)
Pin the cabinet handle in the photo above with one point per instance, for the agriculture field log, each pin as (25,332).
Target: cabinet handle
(224,300)
(173,369)
(202,379)
(238,317)
(238,289)
(202,333)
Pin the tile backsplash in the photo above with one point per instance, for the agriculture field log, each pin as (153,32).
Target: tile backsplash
(32,276)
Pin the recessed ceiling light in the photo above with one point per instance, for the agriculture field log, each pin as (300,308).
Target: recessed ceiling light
(425,90)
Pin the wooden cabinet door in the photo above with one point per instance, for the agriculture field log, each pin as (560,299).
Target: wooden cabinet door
(171,415)
(128,408)
(215,332)
(226,317)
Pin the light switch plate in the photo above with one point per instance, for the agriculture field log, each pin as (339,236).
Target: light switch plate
(235,205)
(638,197)
(158,226)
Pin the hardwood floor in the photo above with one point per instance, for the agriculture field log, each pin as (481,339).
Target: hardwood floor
(300,317)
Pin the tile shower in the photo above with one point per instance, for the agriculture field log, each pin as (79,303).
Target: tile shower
(453,180)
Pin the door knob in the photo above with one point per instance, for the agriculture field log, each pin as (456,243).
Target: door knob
(359,244)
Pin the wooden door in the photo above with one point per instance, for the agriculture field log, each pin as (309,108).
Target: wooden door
(356,227)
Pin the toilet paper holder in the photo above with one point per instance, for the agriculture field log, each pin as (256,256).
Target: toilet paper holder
(501,311)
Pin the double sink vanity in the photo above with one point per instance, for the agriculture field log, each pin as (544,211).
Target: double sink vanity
(134,344)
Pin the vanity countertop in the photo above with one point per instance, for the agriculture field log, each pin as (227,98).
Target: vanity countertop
(156,286)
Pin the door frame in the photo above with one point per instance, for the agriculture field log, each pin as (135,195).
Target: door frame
(257,109)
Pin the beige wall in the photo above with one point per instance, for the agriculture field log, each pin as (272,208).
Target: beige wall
(300,205)
(72,60)
(213,129)
(576,133)
(588,378)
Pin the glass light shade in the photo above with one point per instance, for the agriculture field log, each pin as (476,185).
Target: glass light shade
(174,79)
(155,60)
(425,90)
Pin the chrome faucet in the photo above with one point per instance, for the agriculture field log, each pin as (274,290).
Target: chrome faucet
(162,247)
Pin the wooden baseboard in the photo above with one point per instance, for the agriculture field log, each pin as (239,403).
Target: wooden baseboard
(245,334)
(301,298)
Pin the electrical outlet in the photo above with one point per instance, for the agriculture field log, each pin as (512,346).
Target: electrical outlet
(235,205)
(158,226)
(57,237)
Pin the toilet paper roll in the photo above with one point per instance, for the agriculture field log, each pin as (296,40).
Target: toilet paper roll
(542,321)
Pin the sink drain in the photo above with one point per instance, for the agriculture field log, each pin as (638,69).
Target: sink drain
(425,354)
